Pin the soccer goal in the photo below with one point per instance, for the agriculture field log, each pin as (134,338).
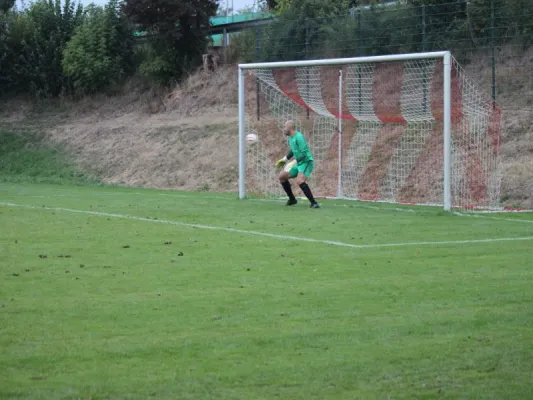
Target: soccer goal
(407,128)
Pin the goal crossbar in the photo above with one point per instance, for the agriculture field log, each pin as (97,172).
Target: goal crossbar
(349,60)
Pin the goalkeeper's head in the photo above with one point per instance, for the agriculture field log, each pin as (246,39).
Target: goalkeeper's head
(289,128)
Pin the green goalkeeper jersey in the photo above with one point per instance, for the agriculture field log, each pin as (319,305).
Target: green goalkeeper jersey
(299,148)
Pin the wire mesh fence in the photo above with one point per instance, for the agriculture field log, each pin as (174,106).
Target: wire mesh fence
(491,38)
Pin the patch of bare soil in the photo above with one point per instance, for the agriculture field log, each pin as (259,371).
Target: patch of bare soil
(157,151)
(514,93)
(186,139)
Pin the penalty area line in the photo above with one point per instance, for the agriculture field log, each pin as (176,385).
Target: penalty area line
(265,234)
(484,216)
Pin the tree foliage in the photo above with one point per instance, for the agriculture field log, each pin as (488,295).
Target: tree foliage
(177,31)
(6,5)
(320,29)
(52,47)
(100,52)
(271,4)
(300,27)
(33,43)
(281,6)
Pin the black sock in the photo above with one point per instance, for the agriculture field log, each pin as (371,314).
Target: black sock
(307,191)
(288,189)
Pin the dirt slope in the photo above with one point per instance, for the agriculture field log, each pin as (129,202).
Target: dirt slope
(159,151)
(515,95)
(186,140)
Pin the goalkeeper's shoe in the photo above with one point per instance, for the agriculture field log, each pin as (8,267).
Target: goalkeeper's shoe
(314,205)
(291,202)
(280,163)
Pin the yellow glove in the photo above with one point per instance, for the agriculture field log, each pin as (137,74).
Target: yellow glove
(281,163)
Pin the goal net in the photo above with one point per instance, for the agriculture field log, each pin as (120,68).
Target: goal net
(410,128)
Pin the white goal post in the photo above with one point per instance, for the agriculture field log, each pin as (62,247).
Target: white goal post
(405,128)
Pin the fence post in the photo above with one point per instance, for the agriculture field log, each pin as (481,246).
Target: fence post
(225,44)
(424,35)
(493,50)
(257,56)
(358,34)
(306,55)
(357,52)
(306,51)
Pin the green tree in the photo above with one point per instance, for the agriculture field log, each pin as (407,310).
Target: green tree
(222,11)
(6,5)
(283,5)
(177,32)
(268,4)
(445,21)
(302,28)
(3,51)
(101,51)
(33,42)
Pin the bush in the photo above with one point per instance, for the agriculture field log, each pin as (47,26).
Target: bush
(4,74)
(243,45)
(156,65)
(301,31)
(177,32)
(33,41)
(101,51)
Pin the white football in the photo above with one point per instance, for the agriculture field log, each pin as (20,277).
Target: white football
(289,165)
(251,138)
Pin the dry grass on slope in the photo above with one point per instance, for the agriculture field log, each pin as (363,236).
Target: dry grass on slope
(514,93)
(183,140)
(216,91)
(157,151)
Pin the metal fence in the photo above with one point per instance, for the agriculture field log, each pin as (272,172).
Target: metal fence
(491,38)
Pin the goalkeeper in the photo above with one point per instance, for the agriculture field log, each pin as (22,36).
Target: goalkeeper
(303,168)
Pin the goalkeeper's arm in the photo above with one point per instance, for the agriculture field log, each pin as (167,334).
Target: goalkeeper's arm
(289,155)
(284,160)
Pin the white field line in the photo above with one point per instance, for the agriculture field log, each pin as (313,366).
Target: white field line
(266,234)
(49,197)
(184,196)
(526,221)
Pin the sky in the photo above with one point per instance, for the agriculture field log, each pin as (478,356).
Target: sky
(237,4)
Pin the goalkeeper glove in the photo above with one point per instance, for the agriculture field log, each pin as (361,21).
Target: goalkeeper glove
(281,163)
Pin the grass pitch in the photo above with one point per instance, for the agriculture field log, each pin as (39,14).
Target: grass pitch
(110,293)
